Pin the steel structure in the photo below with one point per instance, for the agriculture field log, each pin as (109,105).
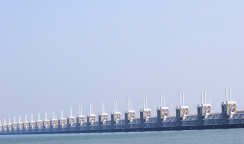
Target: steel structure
(204,119)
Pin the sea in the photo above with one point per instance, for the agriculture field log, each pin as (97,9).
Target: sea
(218,136)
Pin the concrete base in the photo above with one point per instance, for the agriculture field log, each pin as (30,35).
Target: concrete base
(134,130)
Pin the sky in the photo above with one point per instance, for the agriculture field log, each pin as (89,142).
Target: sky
(60,54)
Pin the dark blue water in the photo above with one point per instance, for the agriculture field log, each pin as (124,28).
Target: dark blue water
(234,136)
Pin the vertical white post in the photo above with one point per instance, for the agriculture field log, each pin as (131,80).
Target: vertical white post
(143,102)
(230,94)
(205,95)
(25,118)
(226,98)
(9,122)
(139,112)
(53,115)
(45,115)
(145,98)
(180,99)
(161,103)
(183,101)
(202,97)
(164,100)
(171,109)
(70,112)
(114,107)
(81,110)
(0,122)
(144,106)
(19,118)
(128,102)
(90,109)
(130,105)
(146,102)
(113,110)
(102,107)
(31,117)
(39,116)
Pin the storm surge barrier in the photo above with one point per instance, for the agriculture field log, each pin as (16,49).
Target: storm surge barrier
(204,119)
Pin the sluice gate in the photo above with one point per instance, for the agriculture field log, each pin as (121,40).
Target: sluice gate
(204,119)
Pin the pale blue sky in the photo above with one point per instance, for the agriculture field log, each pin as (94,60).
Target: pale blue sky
(58,54)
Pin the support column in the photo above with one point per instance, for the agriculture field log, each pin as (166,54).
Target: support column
(178,117)
(88,123)
(112,121)
(126,120)
(142,115)
(225,112)
(200,114)
(159,116)
(100,122)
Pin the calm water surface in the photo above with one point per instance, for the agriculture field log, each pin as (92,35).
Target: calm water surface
(189,136)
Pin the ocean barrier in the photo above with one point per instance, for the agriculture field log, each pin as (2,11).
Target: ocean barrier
(229,117)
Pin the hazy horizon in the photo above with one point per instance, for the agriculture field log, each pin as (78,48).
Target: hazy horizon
(61,54)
